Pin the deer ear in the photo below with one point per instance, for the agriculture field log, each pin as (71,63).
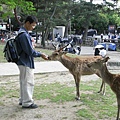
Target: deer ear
(54,46)
(106,59)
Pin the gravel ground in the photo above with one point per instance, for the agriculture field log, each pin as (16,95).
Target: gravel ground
(10,110)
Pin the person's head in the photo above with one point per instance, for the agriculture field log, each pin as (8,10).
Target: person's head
(30,23)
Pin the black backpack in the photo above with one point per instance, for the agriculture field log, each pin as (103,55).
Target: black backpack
(10,50)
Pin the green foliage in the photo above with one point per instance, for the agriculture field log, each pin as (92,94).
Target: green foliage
(1,8)
(114,18)
(8,6)
(100,22)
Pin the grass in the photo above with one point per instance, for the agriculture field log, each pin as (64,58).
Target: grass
(92,106)
(96,106)
(2,59)
(55,92)
(2,91)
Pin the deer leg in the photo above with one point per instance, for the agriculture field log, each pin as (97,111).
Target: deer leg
(118,113)
(102,87)
(118,101)
(77,82)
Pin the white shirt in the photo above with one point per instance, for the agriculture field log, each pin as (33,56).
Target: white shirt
(103,52)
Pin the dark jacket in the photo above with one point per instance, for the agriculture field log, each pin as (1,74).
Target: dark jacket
(25,49)
(96,53)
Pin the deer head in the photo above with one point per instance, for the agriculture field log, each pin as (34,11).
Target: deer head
(57,53)
(59,48)
(98,63)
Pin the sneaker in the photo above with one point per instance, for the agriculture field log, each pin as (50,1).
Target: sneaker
(32,106)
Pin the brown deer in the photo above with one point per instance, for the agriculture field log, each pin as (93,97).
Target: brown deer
(77,67)
(113,80)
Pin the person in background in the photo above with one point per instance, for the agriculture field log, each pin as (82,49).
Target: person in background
(102,52)
(97,52)
(109,35)
(95,42)
(26,63)
(101,40)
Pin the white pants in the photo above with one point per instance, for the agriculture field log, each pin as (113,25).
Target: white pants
(26,85)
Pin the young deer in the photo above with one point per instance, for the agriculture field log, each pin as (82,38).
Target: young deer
(77,67)
(113,80)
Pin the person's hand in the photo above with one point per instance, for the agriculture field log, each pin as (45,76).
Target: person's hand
(45,57)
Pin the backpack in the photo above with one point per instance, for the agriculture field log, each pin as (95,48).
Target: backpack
(10,50)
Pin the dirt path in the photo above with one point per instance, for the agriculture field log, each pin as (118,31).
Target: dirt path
(10,110)
(47,110)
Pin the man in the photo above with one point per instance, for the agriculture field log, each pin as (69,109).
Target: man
(26,63)
(95,42)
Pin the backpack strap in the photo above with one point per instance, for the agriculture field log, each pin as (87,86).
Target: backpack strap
(20,33)
(18,41)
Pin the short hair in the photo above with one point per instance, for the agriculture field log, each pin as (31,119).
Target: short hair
(31,19)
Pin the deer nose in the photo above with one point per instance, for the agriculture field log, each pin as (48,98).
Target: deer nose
(49,58)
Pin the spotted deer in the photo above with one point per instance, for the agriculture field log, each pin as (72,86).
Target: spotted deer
(113,80)
(77,67)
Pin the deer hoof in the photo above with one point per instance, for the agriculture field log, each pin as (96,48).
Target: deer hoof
(103,94)
(99,92)
(77,98)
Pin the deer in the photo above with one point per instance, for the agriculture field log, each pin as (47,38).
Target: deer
(77,66)
(113,80)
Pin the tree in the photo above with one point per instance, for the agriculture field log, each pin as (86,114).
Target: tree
(77,15)
(23,6)
(17,9)
(100,23)
(87,11)
(93,15)
(51,13)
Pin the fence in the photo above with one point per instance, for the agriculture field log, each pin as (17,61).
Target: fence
(89,42)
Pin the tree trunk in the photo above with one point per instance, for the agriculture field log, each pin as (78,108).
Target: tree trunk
(43,40)
(84,37)
(66,31)
(36,37)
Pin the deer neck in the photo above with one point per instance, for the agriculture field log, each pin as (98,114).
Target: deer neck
(66,61)
(106,75)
